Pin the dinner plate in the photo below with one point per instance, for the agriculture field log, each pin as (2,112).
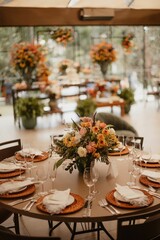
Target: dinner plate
(7,170)
(154,179)
(18,190)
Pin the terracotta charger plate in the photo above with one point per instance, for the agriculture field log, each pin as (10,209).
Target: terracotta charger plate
(37,158)
(148,164)
(75,206)
(147,182)
(25,192)
(11,174)
(112,200)
(117,153)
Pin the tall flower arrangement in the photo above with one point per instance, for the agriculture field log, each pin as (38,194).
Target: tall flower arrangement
(89,140)
(63,35)
(64,64)
(103,53)
(25,57)
(127,42)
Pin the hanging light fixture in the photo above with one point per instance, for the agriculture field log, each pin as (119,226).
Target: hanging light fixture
(128,2)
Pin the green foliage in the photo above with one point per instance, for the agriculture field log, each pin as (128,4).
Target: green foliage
(85,108)
(128,95)
(29,107)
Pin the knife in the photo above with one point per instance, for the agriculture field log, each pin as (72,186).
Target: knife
(19,201)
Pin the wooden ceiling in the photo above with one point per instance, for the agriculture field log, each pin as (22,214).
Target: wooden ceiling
(67,12)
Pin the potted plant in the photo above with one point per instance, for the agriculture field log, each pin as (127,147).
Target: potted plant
(128,95)
(28,109)
(86,107)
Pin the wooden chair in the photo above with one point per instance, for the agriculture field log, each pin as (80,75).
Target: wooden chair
(7,149)
(6,234)
(140,226)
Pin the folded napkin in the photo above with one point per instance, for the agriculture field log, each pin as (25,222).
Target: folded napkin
(27,151)
(8,167)
(57,201)
(132,196)
(152,174)
(12,185)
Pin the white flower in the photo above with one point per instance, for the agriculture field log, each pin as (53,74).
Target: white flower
(77,137)
(111,131)
(82,152)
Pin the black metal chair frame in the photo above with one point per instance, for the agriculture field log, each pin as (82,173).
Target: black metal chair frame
(8,149)
(129,228)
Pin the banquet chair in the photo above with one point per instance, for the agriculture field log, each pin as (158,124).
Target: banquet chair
(119,124)
(8,149)
(6,234)
(140,226)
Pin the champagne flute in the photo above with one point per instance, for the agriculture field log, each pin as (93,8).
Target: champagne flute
(88,180)
(52,175)
(130,169)
(95,176)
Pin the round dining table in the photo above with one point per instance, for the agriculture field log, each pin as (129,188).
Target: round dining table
(109,175)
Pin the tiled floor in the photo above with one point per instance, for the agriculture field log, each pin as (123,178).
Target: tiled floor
(144,116)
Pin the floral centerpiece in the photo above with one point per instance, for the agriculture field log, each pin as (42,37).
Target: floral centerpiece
(127,42)
(63,35)
(25,57)
(89,140)
(103,54)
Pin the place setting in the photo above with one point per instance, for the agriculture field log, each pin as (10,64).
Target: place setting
(121,149)
(152,161)
(31,154)
(10,169)
(60,202)
(16,188)
(150,178)
(129,197)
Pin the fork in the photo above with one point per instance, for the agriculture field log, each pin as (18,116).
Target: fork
(106,203)
(102,204)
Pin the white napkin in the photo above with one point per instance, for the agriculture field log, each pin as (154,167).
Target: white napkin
(132,196)
(128,193)
(8,166)
(27,151)
(14,185)
(152,174)
(57,201)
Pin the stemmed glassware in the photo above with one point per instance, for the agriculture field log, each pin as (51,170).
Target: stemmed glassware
(88,180)
(121,145)
(130,143)
(52,174)
(146,154)
(42,176)
(95,176)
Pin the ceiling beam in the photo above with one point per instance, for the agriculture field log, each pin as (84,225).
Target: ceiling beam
(71,17)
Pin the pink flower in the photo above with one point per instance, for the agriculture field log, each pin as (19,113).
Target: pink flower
(82,131)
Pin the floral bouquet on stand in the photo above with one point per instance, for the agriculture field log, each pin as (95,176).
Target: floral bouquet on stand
(103,54)
(87,141)
(63,65)
(25,57)
(127,42)
(63,35)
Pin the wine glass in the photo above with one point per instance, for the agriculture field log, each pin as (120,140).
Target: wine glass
(95,176)
(146,155)
(130,169)
(130,143)
(88,180)
(121,145)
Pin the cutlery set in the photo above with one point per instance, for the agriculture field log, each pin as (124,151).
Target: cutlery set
(103,203)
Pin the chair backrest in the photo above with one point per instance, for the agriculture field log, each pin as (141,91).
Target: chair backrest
(8,149)
(147,227)
(6,234)
(118,122)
